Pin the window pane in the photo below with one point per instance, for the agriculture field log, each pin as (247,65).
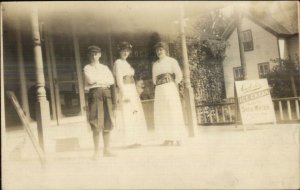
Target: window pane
(247,40)
(266,68)
(247,36)
(250,36)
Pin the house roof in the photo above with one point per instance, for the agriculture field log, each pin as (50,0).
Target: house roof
(270,24)
(117,16)
(267,22)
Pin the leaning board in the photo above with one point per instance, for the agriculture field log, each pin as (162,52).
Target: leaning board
(255,102)
(27,128)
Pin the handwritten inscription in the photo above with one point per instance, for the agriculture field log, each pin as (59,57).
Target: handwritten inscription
(256,108)
(249,87)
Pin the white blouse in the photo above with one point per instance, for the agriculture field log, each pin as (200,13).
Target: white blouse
(166,65)
(122,68)
(97,75)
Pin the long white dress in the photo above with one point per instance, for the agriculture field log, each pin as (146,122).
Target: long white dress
(133,123)
(168,115)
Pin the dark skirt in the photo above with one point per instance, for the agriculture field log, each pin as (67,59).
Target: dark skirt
(100,109)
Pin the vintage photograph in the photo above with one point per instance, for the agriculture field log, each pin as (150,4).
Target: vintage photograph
(150,95)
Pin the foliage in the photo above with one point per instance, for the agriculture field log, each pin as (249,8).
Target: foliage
(208,32)
(206,52)
(282,76)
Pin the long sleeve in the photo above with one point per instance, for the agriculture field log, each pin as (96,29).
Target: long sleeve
(119,76)
(110,77)
(177,71)
(154,74)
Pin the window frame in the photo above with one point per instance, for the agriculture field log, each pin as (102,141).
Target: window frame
(261,65)
(240,69)
(251,41)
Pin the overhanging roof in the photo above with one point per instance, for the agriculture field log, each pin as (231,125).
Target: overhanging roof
(119,16)
(268,22)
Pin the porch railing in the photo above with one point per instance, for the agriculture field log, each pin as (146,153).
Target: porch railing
(286,111)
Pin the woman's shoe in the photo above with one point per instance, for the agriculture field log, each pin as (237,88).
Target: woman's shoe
(134,145)
(177,143)
(107,153)
(137,144)
(129,146)
(96,156)
(167,143)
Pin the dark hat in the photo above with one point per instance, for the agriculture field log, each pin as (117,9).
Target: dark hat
(161,45)
(94,49)
(124,45)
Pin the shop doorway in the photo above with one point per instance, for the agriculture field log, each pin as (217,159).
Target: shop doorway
(64,77)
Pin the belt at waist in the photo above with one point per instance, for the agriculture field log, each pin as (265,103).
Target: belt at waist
(100,91)
(165,78)
(128,79)
(100,87)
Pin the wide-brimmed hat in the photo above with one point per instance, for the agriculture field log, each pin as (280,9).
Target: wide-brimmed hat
(124,45)
(93,49)
(161,45)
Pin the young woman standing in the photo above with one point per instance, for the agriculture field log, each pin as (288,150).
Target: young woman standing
(168,115)
(133,119)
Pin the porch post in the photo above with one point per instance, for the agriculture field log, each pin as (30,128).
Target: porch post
(78,70)
(23,86)
(49,62)
(188,91)
(111,65)
(42,106)
(3,127)
(240,40)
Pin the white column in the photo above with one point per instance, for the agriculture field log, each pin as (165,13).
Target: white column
(188,91)
(42,108)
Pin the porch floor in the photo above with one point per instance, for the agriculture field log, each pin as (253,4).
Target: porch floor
(220,157)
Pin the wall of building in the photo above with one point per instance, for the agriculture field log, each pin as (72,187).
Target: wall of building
(232,60)
(265,47)
(293,47)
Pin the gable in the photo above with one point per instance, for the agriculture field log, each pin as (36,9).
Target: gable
(267,23)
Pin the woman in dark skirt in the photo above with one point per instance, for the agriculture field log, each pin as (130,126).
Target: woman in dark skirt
(98,81)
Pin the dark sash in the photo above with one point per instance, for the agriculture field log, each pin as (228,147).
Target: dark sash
(165,78)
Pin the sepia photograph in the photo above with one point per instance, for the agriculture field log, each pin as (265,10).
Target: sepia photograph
(150,95)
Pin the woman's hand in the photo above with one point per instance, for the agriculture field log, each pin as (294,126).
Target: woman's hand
(127,100)
(125,97)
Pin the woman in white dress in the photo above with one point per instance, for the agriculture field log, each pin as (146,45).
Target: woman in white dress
(133,119)
(168,115)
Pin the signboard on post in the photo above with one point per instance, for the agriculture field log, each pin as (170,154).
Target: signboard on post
(255,102)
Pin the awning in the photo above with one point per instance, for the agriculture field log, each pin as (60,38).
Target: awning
(117,16)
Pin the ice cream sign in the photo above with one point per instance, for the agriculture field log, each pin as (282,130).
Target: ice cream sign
(255,103)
